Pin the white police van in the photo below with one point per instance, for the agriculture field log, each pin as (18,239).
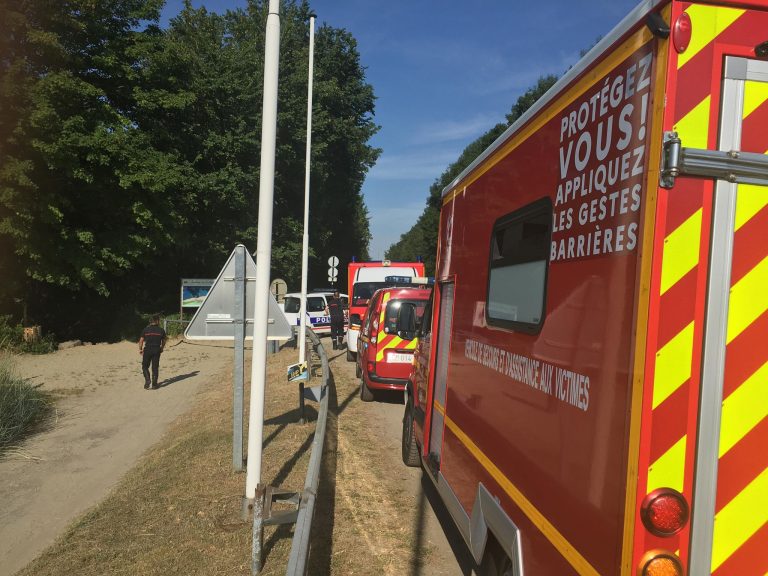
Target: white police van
(317,302)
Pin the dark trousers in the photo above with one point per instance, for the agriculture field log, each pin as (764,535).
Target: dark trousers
(153,357)
(337,331)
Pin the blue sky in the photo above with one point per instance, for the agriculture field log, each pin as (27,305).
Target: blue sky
(444,72)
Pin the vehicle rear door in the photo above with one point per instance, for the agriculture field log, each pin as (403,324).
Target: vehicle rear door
(442,358)
(394,355)
(730,522)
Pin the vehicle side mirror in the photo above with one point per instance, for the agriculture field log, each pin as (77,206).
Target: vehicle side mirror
(355,320)
(406,321)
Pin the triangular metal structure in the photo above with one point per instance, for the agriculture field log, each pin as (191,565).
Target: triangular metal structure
(216,317)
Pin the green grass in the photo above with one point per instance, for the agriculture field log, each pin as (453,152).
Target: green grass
(22,407)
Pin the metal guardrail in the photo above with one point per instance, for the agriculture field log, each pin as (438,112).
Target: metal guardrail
(297,560)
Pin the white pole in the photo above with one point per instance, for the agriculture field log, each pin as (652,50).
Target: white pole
(263,249)
(305,250)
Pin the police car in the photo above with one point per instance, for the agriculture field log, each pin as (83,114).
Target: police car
(317,303)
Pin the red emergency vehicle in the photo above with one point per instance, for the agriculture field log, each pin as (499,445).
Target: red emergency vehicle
(385,353)
(363,279)
(590,389)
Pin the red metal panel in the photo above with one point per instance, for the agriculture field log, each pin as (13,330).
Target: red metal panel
(568,461)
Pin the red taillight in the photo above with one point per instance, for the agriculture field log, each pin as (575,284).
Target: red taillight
(371,367)
(664,512)
(660,563)
(681,33)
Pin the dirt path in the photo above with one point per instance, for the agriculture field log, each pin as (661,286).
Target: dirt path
(105,422)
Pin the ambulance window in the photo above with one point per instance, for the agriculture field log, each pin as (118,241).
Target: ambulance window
(517,278)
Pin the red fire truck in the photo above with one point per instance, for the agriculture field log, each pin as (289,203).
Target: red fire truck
(385,356)
(363,279)
(590,389)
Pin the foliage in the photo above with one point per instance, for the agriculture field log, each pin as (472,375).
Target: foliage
(22,407)
(12,339)
(174,327)
(421,239)
(131,153)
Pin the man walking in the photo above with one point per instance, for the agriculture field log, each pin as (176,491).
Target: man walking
(336,310)
(151,345)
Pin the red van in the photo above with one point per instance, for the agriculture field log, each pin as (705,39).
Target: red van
(385,355)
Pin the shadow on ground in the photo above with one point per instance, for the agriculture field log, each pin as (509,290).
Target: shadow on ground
(179,378)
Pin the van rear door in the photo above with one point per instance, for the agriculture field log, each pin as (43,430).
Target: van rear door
(730,522)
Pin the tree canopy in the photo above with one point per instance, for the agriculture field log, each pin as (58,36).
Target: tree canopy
(131,153)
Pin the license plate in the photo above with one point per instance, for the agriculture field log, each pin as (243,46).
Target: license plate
(396,358)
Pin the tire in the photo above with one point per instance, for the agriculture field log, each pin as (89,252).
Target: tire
(358,372)
(366,394)
(409,451)
(495,560)
(350,355)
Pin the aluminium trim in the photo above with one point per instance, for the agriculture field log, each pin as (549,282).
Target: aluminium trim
(746,69)
(487,515)
(731,166)
(713,371)
(715,340)
(620,30)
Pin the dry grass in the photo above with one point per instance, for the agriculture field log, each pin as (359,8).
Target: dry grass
(364,521)
(178,510)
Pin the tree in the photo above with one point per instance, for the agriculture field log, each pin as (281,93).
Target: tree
(131,153)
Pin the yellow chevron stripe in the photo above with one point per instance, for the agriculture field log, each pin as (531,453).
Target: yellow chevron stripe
(439,407)
(384,301)
(393,343)
(693,128)
(740,519)
(673,365)
(668,471)
(744,409)
(749,299)
(707,23)
(751,199)
(755,94)
(681,251)
(579,563)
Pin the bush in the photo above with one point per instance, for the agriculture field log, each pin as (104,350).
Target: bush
(22,407)
(12,339)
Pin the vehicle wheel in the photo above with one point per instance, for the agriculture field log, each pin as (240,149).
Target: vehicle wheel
(408,448)
(366,395)
(495,560)
(350,355)
(358,372)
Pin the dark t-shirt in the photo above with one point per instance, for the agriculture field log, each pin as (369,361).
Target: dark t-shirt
(335,309)
(153,337)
